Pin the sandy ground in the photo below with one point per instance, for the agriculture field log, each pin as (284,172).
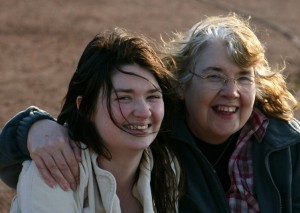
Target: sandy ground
(41,41)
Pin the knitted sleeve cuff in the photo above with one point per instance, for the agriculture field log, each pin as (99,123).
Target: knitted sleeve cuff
(31,115)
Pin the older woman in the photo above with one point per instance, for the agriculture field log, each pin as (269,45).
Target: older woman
(237,136)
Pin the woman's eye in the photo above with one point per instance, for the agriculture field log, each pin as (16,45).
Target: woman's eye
(123,98)
(214,77)
(245,79)
(154,97)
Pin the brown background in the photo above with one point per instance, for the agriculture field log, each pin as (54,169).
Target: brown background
(41,41)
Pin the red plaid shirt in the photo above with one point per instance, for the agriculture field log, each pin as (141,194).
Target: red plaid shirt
(241,195)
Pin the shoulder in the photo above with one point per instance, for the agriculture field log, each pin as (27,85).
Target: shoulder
(34,195)
(281,133)
(282,126)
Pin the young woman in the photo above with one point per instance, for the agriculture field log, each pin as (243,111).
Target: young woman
(113,109)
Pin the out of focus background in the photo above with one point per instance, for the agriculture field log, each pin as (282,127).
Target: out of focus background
(41,41)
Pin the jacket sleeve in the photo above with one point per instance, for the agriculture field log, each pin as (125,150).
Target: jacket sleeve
(13,143)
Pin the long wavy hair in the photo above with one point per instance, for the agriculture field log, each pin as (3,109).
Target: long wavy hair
(103,56)
(243,46)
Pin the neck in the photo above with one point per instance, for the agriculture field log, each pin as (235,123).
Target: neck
(211,139)
(125,170)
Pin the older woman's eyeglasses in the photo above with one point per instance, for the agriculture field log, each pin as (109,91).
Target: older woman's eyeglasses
(216,81)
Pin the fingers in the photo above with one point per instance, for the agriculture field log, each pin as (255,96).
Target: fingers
(68,165)
(55,156)
(65,166)
(50,172)
(58,165)
(45,172)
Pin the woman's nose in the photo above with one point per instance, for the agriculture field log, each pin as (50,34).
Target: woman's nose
(142,109)
(230,89)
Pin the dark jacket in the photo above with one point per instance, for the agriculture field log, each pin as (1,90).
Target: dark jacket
(276,165)
(276,168)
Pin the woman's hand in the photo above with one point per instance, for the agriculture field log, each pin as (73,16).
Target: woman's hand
(55,155)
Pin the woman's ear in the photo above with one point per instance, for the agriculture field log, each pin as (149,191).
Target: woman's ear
(78,101)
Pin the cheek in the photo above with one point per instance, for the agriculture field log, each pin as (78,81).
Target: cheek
(120,111)
(102,118)
(248,100)
(247,103)
(158,111)
(197,100)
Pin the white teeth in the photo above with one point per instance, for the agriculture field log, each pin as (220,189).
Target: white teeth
(226,109)
(137,127)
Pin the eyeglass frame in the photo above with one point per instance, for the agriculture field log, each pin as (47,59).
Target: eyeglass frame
(225,80)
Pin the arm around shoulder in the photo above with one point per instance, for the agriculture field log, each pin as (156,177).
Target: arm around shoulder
(13,142)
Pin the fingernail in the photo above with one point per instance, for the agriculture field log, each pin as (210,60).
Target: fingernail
(52,185)
(66,187)
(73,187)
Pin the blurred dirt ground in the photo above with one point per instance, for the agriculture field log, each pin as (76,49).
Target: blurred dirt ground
(41,41)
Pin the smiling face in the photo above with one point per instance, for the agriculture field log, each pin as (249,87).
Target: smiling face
(137,108)
(213,115)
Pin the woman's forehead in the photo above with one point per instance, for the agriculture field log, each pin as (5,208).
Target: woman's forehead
(131,75)
(216,57)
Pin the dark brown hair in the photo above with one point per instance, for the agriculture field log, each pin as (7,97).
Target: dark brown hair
(103,55)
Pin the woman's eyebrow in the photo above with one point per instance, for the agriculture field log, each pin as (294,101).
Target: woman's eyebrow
(245,72)
(155,90)
(132,91)
(124,90)
(218,69)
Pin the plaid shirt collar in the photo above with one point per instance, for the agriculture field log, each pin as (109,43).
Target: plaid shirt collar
(241,196)
(258,123)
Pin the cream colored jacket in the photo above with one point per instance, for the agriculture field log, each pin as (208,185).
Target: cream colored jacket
(96,192)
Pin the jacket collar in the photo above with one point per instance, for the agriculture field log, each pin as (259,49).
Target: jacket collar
(281,133)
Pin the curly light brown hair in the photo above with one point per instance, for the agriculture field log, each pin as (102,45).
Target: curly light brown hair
(243,46)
